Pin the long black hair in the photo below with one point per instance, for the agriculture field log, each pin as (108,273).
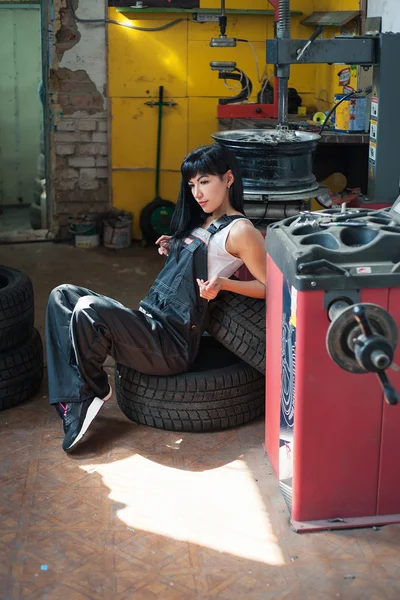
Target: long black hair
(206,160)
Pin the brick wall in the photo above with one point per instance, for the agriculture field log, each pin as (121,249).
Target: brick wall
(79,143)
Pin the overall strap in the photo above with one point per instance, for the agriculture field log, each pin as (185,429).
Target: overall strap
(223,222)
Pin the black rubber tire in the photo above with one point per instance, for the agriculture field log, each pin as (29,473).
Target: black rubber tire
(150,235)
(238,322)
(21,371)
(17,311)
(220,391)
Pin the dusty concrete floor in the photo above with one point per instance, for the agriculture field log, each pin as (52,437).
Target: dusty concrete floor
(141,514)
(12,218)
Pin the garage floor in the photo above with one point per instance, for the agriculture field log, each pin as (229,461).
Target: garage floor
(141,514)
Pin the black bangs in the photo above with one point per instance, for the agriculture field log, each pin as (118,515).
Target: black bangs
(203,162)
(207,160)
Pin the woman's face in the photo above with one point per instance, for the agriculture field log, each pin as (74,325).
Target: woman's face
(211,191)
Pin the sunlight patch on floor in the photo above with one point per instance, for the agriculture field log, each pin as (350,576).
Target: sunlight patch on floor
(219,508)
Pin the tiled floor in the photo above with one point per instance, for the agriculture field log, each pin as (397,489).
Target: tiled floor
(140,514)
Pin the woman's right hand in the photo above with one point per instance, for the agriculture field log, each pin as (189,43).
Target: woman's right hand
(163,242)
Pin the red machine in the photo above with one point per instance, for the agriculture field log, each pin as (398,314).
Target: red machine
(237,107)
(333,306)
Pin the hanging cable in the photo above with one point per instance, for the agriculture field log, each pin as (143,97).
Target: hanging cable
(256,59)
(113,22)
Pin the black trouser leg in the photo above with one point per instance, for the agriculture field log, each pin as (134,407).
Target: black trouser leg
(82,328)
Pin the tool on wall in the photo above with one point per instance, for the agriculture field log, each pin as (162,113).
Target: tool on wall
(155,218)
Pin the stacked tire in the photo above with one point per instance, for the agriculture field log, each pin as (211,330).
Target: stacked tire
(224,388)
(21,349)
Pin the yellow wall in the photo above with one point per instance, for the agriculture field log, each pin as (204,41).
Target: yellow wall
(178,58)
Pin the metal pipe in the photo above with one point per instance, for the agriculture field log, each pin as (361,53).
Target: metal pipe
(283,71)
(283,100)
(336,308)
(260,210)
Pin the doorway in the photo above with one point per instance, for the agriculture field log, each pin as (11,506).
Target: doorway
(22,136)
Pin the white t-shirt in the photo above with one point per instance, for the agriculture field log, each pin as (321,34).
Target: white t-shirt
(220,262)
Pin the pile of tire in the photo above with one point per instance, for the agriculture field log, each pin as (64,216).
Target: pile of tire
(224,388)
(21,349)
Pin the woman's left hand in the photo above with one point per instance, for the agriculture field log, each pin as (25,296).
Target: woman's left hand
(210,289)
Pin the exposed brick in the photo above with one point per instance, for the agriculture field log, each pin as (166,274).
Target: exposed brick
(63,99)
(67,184)
(102,138)
(70,174)
(65,149)
(65,35)
(66,125)
(80,99)
(102,125)
(77,87)
(98,101)
(88,174)
(85,136)
(64,46)
(67,136)
(102,149)
(61,162)
(82,161)
(66,18)
(85,184)
(80,206)
(87,125)
(101,161)
(102,173)
(63,73)
(88,179)
(79,75)
(88,149)
(83,201)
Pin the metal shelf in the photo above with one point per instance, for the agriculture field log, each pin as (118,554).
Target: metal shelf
(128,10)
(332,18)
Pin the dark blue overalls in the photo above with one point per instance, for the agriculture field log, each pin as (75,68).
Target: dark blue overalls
(161,338)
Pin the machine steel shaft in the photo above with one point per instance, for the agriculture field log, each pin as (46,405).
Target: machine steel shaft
(283,71)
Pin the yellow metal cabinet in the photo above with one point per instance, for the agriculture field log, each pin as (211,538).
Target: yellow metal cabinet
(134,134)
(140,61)
(202,121)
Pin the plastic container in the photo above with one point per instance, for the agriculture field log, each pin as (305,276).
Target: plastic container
(117,229)
(85,232)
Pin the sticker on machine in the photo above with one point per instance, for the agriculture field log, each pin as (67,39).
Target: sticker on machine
(374,107)
(372,152)
(374,129)
(363,270)
(293,306)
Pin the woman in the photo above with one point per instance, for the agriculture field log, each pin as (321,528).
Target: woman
(210,240)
